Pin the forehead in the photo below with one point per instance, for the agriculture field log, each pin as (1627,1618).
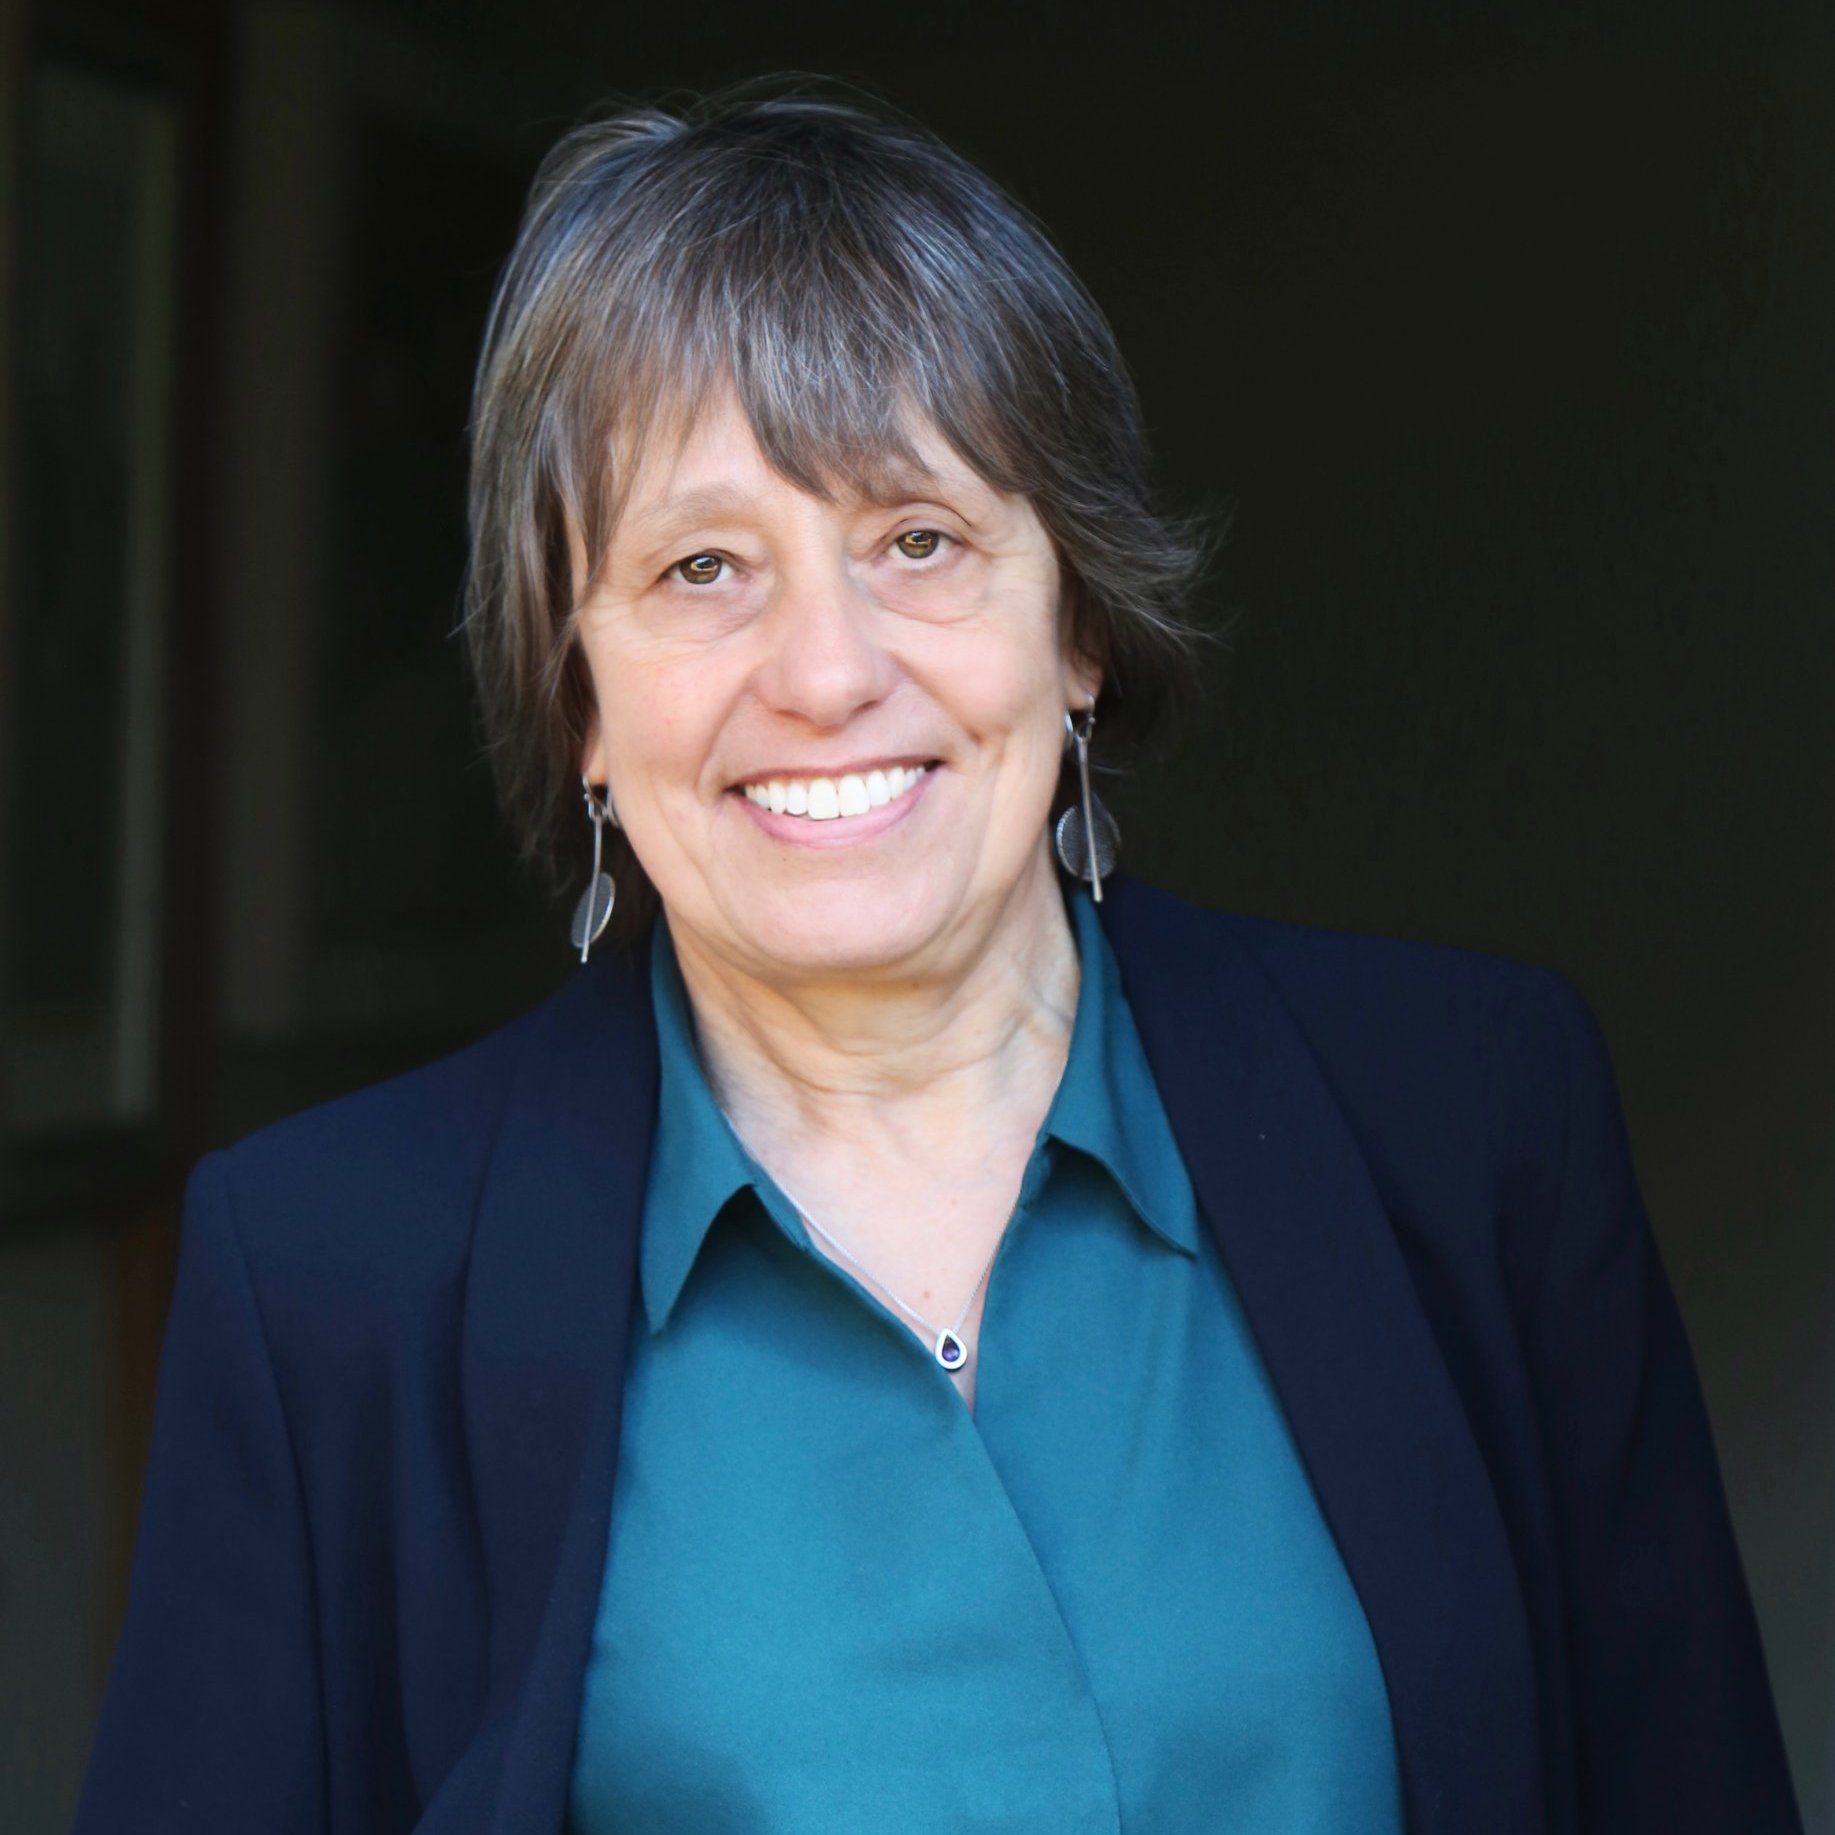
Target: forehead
(708,455)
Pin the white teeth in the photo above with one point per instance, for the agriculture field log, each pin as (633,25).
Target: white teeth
(823,799)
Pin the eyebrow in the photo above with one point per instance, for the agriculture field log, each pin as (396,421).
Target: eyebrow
(705,503)
(710,502)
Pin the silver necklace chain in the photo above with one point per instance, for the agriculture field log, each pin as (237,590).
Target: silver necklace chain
(947,1346)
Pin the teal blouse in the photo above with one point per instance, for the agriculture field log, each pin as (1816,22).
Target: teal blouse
(834,1600)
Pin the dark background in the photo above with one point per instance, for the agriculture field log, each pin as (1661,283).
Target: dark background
(1504,335)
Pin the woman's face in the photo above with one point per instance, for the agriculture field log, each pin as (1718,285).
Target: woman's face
(831,730)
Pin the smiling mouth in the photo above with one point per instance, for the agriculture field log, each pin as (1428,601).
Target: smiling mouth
(823,799)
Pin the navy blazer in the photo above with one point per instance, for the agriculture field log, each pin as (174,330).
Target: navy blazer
(375,1518)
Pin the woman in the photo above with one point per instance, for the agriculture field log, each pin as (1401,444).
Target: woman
(932,1335)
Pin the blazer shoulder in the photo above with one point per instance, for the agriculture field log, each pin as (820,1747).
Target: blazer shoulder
(1410,985)
(1359,975)
(1428,1047)
(1465,1080)
(359,1198)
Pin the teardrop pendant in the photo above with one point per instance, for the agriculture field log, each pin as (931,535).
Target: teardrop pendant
(951,1352)
(592,912)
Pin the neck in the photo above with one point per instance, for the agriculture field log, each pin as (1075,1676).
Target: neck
(839,1082)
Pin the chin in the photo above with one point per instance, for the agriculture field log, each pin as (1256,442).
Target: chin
(842,929)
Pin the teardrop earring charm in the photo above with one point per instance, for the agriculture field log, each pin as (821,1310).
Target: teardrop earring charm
(1086,837)
(594,910)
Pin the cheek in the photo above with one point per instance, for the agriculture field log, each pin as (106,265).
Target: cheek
(663,721)
(1000,675)
(1014,712)
(1023,704)
(649,735)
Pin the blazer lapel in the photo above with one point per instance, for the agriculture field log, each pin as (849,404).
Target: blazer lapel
(547,1306)
(1370,1403)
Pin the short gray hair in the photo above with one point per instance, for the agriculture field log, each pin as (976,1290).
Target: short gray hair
(842,269)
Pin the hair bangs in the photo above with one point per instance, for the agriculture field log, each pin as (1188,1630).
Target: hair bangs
(835,353)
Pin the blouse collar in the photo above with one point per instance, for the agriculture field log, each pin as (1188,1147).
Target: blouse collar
(1106,1106)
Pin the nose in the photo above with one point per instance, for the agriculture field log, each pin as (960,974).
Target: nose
(827,660)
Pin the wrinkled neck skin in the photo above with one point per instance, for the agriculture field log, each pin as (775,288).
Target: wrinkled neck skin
(868,1099)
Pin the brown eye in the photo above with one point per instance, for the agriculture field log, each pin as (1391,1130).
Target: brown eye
(700,569)
(919,544)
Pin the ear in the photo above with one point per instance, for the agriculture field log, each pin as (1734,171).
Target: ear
(592,751)
(1082,673)
(1082,682)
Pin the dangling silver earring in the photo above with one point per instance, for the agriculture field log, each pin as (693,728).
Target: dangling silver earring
(1086,837)
(594,910)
